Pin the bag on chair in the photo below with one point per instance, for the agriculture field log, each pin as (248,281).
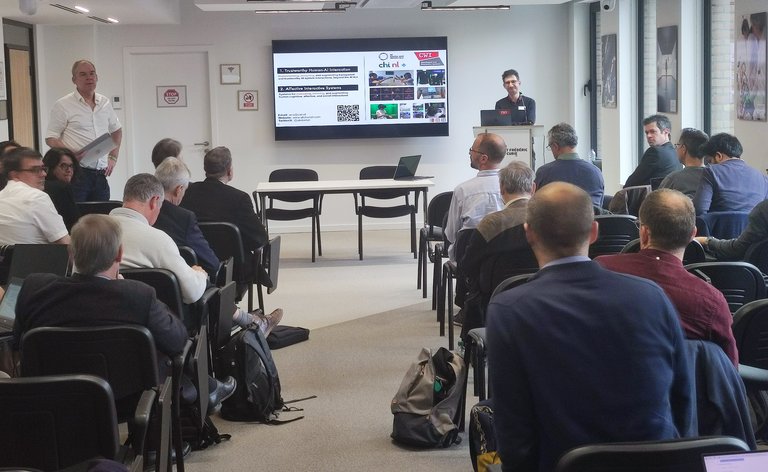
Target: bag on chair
(426,407)
(482,437)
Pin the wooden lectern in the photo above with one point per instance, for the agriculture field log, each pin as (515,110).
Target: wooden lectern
(519,139)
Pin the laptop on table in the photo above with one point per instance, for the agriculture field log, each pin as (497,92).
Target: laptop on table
(753,461)
(8,305)
(406,169)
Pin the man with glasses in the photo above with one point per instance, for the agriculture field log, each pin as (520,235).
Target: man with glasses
(27,215)
(660,159)
(523,108)
(686,180)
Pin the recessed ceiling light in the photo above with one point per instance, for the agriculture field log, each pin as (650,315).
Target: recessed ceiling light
(82,9)
(112,20)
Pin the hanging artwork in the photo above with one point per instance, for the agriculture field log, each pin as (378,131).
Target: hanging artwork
(750,67)
(609,71)
(666,69)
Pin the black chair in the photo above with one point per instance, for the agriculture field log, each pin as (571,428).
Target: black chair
(451,271)
(189,255)
(431,232)
(362,209)
(225,241)
(627,201)
(757,255)
(647,456)
(53,422)
(164,282)
(285,214)
(694,251)
(722,224)
(615,232)
(122,355)
(100,208)
(740,282)
(6,255)
(750,330)
(48,258)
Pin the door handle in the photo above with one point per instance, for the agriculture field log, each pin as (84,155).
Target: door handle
(204,143)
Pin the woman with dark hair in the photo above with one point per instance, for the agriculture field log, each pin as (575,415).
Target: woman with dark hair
(62,168)
(166,147)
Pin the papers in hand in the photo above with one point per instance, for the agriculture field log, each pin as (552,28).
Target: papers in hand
(90,154)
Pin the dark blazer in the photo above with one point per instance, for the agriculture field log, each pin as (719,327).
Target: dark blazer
(213,200)
(657,161)
(81,301)
(64,201)
(181,225)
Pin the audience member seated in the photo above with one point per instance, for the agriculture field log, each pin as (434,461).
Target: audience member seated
(27,215)
(667,225)
(568,166)
(580,354)
(498,233)
(735,249)
(96,295)
(728,184)
(5,148)
(166,147)
(478,196)
(62,167)
(179,223)
(660,159)
(688,148)
(214,200)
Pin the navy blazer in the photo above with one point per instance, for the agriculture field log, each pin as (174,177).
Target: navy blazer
(181,225)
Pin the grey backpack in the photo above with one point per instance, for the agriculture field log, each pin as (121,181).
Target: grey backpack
(426,407)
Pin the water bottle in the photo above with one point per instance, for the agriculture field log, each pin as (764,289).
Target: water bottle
(592,155)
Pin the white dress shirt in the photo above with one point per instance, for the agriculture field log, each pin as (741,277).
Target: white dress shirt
(27,216)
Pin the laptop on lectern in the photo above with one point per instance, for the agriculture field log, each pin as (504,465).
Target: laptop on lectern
(406,169)
(496,118)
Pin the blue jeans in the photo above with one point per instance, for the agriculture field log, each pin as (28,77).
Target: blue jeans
(90,186)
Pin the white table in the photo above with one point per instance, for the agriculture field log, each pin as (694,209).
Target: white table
(265,189)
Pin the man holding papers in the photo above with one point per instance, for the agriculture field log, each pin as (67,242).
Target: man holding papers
(85,122)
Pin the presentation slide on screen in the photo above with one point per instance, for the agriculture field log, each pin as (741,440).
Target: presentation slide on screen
(360,88)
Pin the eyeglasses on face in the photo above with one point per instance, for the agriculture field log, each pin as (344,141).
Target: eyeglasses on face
(36,170)
(65,167)
(475,150)
(678,145)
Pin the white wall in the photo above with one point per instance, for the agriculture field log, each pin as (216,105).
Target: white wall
(481,45)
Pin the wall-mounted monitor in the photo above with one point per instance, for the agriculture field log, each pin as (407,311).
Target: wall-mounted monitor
(360,88)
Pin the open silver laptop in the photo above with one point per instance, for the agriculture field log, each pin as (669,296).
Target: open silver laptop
(753,461)
(8,305)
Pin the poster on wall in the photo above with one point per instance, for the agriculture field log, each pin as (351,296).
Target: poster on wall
(750,67)
(666,69)
(609,71)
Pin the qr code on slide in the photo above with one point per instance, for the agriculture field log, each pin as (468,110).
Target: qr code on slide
(347,112)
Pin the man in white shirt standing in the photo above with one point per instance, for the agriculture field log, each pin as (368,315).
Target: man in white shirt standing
(77,119)
(27,215)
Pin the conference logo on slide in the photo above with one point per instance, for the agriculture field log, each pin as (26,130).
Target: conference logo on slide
(429,58)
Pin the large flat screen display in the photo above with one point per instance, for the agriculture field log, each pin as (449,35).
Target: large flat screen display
(360,88)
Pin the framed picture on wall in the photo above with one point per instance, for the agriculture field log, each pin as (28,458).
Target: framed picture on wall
(230,73)
(751,67)
(248,100)
(666,69)
(609,73)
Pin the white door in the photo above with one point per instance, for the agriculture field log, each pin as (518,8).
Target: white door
(186,71)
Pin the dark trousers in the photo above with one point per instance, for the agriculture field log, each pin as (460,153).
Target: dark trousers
(90,186)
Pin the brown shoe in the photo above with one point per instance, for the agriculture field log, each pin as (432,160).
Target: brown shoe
(273,319)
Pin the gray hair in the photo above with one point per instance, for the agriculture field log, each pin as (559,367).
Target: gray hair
(563,135)
(217,162)
(172,172)
(516,177)
(95,243)
(142,187)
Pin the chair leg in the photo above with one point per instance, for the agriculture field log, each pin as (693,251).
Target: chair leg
(423,266)
(449,302)
(259,294)
(420,258)
(319,243)
(441,302)
(413,234)
(480,372)
(313,238)
(360,236)
(436,278)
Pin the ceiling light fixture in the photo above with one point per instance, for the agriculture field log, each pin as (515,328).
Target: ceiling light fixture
(81,9)
(340,7)
(427,6)
(112,20)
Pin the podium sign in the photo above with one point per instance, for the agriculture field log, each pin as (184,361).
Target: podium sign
(519,140)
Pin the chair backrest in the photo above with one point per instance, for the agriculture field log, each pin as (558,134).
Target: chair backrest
(101,208)
(53,422)
(189,255)
(381,172)
(220,320)
(292,175)
(722,224)
(438,208)
(750,329)
(656,182)
(164,282)
(511,282)
(627,201)
(757,255)
(199,365)
(500,267)
(614,233)
(123,355)
(740,282)
(224,238)
(694,251)
(6,255)
(30,258)
(647,456)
